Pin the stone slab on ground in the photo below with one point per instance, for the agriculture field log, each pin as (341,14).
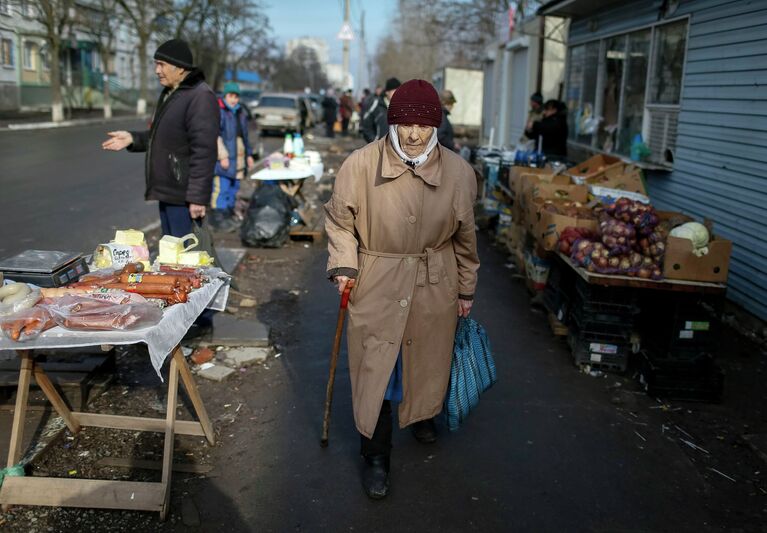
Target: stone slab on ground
(230,331)
(216,372)
(230,258)
(758,444)
(238,357)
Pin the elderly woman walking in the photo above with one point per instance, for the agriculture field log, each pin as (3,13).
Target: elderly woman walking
(401,223)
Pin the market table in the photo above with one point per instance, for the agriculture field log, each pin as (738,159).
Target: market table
(673,285)
(291,179)
(162,340)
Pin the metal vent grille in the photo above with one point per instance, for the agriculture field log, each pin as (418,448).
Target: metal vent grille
(662,134)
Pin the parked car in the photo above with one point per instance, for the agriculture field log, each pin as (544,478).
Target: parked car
(311,114)
(250,97)
(280,112)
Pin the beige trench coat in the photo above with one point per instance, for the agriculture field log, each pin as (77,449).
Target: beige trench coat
(409,233)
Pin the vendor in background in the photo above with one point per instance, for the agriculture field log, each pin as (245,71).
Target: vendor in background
(180,144)
(234,159)
(553,128)
(536,111)
(445,130)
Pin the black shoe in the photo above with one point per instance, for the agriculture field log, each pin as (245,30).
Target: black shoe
(425,431)
(375,476)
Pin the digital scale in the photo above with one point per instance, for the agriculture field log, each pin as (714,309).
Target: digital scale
(44,268)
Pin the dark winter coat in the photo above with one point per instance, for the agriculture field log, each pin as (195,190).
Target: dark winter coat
(231,126)
(329,109)
(554,132)
(375,124)
(180,144)
(445,132)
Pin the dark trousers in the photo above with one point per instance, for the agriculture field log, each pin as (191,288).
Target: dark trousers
(175,219)
(380,444)
(329,129)
(345,125)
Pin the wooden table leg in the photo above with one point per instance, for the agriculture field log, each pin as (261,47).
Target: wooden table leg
(20,411)
(194,394)
(56,400)
(170,422)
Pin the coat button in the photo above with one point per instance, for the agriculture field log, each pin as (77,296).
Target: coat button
(403,303)
(409,342)
(411,219)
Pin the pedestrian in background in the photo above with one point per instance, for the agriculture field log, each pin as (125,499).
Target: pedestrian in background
(445,130)
(374,124)
(329,112)
(347,110)
(401,222)
(362,104)
(180,143)
(234,158)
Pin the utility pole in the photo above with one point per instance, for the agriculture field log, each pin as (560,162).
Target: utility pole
(346,47)
(361,60)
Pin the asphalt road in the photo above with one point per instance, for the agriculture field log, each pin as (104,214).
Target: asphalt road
(60,191)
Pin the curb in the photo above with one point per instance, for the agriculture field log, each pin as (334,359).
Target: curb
(69,123)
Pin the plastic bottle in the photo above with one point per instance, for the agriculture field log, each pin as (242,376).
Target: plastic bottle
(298,145)
(636,147)
(287,148)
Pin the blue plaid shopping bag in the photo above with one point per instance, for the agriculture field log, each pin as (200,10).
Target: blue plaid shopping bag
(471,373)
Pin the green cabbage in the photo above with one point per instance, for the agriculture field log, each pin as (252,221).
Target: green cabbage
(693,231)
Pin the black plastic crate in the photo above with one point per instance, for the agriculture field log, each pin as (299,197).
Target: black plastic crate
(680,326)
(698,379)
(557,302)
(605,304)
(599,351)
(617,331)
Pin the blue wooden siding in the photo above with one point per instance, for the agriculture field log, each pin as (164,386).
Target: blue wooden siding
(720,169)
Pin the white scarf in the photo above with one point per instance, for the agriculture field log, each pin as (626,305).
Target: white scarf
(412,161)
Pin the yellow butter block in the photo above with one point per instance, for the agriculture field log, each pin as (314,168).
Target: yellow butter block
(129,237)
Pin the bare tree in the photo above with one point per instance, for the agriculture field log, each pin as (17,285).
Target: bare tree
(56,17)
(102,19)
(147,18)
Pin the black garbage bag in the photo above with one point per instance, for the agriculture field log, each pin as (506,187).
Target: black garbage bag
(267,223)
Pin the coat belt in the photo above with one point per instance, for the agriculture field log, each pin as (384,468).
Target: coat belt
(430,257)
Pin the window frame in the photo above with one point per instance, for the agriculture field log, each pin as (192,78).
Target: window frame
(6,8)
(599,97)
(31,67)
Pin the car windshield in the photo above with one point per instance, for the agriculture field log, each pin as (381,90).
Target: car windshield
(277,101)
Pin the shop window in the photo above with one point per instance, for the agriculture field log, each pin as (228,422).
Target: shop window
(5,7)
(628,85)
(6,52)
(666,83)
(29,56)
(45,59)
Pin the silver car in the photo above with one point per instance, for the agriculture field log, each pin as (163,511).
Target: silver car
(280,112)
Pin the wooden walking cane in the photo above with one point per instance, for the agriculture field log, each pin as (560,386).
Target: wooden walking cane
(334,361)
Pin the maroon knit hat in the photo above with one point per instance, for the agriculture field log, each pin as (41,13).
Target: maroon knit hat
(415,102)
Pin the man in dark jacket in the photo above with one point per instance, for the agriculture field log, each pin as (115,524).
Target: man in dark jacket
(374,123)
(553,128)
(330,112)
(445,130)
(180,144)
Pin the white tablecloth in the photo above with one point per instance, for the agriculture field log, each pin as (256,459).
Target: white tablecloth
(160,339)
(284,174)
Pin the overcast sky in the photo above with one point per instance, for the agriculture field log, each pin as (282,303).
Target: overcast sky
(323,18)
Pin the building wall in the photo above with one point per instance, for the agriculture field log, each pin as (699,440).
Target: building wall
(721,154)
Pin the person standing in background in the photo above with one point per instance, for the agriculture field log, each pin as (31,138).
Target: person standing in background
(329,112)
(234,158)
(374,124)
(347,109)
(445,130)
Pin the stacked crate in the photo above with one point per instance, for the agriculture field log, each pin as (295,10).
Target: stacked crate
(679,336)
(602,321)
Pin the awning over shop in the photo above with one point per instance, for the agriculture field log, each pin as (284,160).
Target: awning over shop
(575,8)
(244,76)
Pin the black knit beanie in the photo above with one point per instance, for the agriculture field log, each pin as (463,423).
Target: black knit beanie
(176,52)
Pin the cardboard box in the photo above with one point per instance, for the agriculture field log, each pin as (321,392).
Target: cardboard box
(546,227)
(538,194)
(680,263)
(599,165)
(516,236)
(630,180)
(527,183)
